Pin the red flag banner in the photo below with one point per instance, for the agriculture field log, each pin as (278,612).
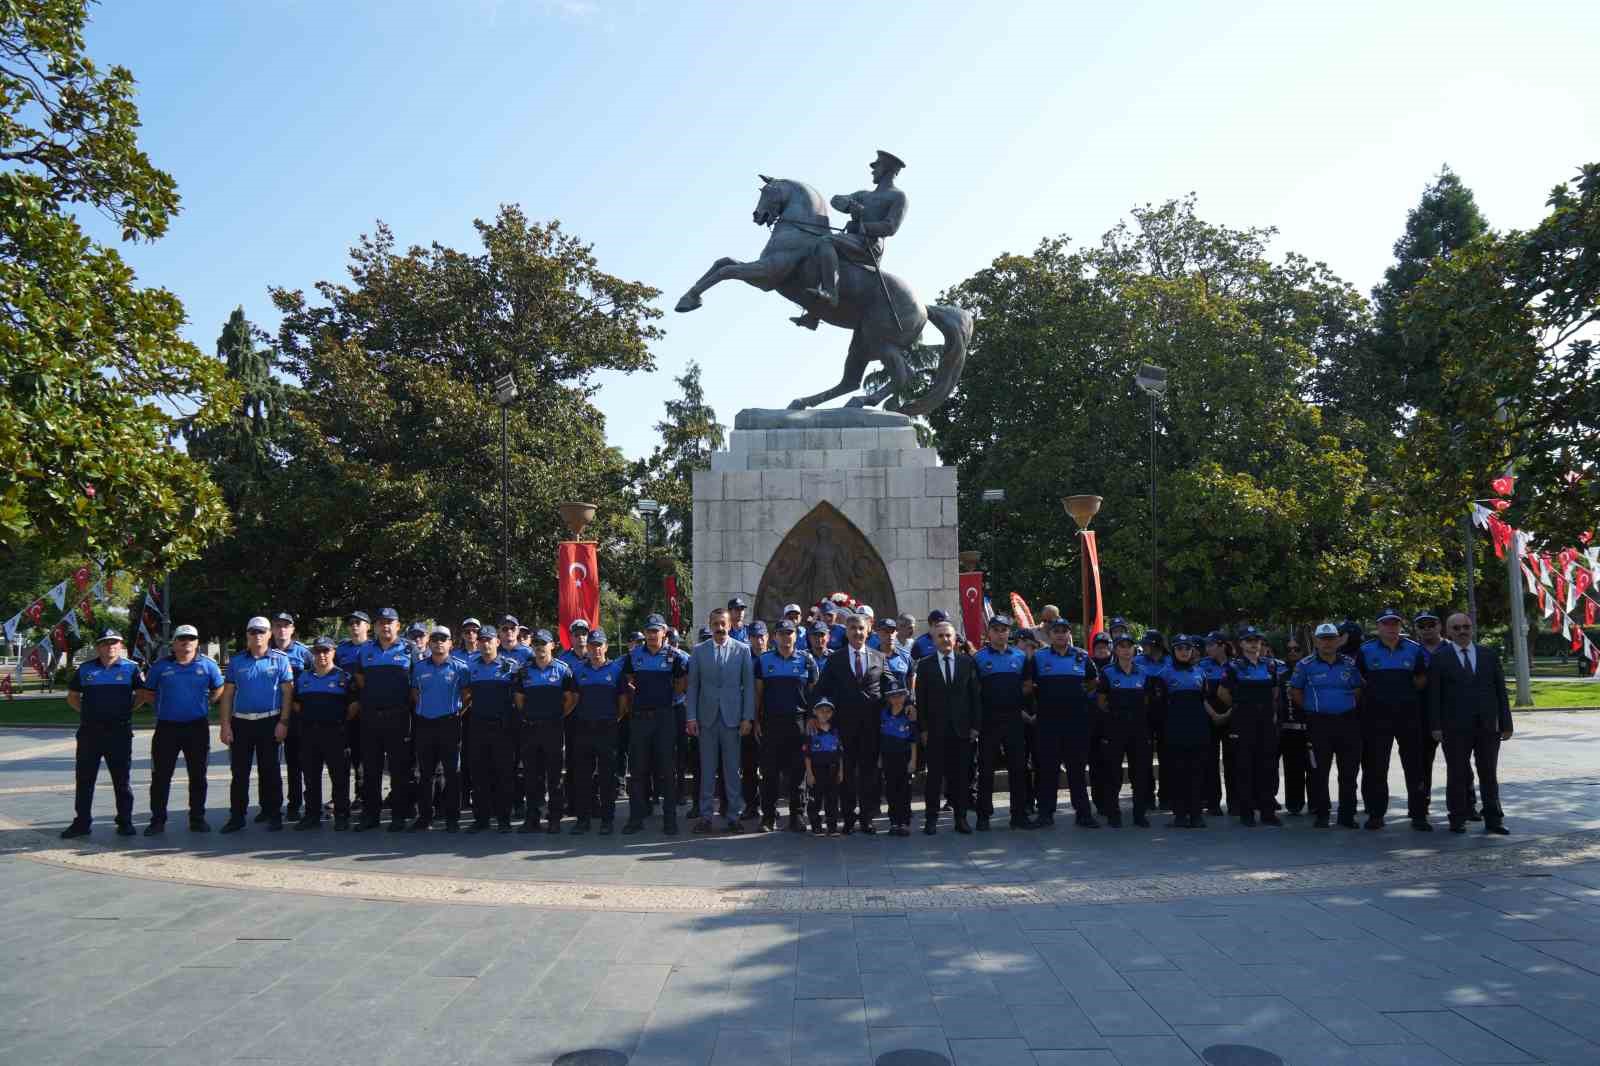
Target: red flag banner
(1094,619)
(1503,485)
(1019,608)
(80,577)
(972,617)
(577,585)
(674,608)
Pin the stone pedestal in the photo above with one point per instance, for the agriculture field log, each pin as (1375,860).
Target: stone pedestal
(809,508)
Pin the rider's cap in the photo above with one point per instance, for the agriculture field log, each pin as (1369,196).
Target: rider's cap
(892,159)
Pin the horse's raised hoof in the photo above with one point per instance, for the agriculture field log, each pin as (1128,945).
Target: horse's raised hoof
(858,401)
(797,405)
(688,302)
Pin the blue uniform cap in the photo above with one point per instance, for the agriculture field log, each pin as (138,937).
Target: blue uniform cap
(637,636)
(509,622)
(1118,620)
(818,629)
(388,614)
(543,636)
(471,623)
(1121,638)
(283,616)
(1351,628)
(359,616)
(655,621)
(791,608)
(1326,629)
(1101,638)
(1216,636)
(892,686)
(1059,623)
(785,626)
(937,615)
(1153,636)
(737,601)
(887,622)
(822,701)
(323,644)
(597,636)
(1389,614)
(578,625)
(1000,621)
(108,636)
(1249,632)
(1424,616)
(416,628)
(1027,634)
(758,628)
(1186,640)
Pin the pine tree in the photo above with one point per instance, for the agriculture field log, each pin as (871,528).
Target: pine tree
(689,434)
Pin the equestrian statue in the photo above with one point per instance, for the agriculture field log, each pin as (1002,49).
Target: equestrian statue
(835,277)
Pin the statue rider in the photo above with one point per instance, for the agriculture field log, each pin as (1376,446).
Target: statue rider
(875,213)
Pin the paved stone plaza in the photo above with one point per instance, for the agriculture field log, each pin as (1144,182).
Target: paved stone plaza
(1059,947)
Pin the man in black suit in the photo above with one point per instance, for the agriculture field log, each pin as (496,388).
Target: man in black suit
(1470,714)
(949,713)
(853,677)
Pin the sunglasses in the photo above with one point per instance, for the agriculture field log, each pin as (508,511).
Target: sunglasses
(1460,628)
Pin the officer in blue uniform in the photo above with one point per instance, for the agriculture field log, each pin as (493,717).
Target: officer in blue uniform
(897,730)
(383,670)
(1326,688)
(437,683)
(784,679)
(1219,761)
(574,656)
(491,740)
(824,759)
(1249,690)
(299,659)
(659,675)
(1002,690)
(546,695)
(1396,672)
(1124,699)
(922,647)
(602,701)
(817,642)
(1181,689)
(257,694)
(1062,678)
(896,661)
(737,629)
(1153,659)
(345,657)
(103,692)
(835,614)
(183,685)
(324,698)
(757,638)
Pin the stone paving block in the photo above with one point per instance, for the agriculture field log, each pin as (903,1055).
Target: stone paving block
(971,1017)
(1154,1051)
(1404,1055)
(1458,1037)
(1179,1008)
(1061,1025)
(989,1052)
(1538,1036)
(1121,1014)
(740,1047)
(1353,1021)
(1075,1058)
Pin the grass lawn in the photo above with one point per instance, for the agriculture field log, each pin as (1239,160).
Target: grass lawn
(56,712)
(1563,693)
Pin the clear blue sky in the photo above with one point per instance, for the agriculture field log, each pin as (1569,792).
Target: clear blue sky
(292,126)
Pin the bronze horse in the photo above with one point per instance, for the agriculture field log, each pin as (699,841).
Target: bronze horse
(881,328)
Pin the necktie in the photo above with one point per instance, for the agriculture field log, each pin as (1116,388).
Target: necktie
(1466,658)
(949,677)
(855,655)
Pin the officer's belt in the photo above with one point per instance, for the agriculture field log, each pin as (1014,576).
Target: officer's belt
(253,716)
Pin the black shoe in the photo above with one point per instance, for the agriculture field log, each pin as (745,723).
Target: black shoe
(529,825)
(1347,821)
(232,825)
(795,824)
(310,821)
(867,827)
(1497,829)
(1248,819)
(198,824)
(629,827)
(520,810)
(703,826)
(1216,812)
(983,824)
(1295,811)
(76,829)
(480,825)
(156,827)
(125,828)
(1086,821)
(768,825)
(292,813)
(261,816)
(1422,825)
(1322,822)
(366,824)
(503,827)
(1458,827)
(1475,816)
(397,825)
(1045,820)
(749,813)
(1373,822)
(606,828)
(420,824)
(552,827)
(1141,821)
(580,827)
(1114,819)
(1270,818)
(930,828)
(733,827)
(341,823)
(669,827)
(1197,822)
(962,826)
(694,811)
(1024,823)
(1180,822)
(453,825)
(274,825)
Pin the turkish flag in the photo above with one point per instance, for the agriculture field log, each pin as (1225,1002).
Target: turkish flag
(1503,485)
(972,618)
(1094,619)
(577,585)
(80,577)
(674,608)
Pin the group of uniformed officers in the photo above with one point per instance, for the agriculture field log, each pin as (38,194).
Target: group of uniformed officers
(831,709)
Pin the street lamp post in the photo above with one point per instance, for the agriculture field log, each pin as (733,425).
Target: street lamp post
(650,509)
(1152,380)
(505,393)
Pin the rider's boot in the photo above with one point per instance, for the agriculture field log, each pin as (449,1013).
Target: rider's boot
(809,320)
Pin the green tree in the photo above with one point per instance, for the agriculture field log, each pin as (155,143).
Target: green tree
(689,434)
(1263,513)
(245,448)
(95,376)
(392,494)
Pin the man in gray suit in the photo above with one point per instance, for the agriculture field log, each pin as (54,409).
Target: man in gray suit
(722,708)
(1469,712)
